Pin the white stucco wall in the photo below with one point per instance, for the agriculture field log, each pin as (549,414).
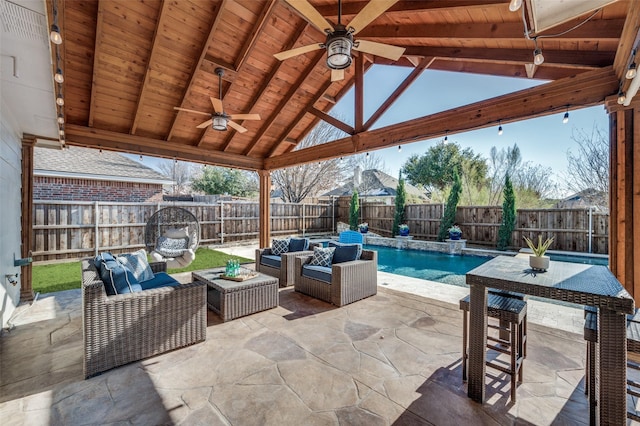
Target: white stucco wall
(10,210)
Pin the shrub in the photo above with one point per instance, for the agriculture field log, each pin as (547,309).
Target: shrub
(401,195)
(449,217)
(354,211)
(508,216)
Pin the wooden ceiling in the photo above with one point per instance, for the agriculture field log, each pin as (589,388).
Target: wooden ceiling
(128,63)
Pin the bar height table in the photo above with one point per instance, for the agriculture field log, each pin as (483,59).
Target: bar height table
(592,285)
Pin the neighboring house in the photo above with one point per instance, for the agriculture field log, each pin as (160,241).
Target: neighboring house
(585,199)
(375,185)
(84,174)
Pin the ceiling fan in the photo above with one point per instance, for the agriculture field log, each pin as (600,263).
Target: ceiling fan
(340,40)
(219,119)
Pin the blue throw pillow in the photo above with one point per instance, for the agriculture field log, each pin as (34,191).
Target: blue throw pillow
(344,251)
(118,279)
(279,246)
(298,244)
(322,256)
(101,258)
(137,263)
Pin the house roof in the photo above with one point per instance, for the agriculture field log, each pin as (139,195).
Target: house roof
(587,198)
(376,183)
(86,163)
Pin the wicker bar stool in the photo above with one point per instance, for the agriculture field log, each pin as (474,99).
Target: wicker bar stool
(512,315)
(633,359)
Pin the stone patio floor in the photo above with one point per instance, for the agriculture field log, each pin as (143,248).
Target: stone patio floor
(391,359)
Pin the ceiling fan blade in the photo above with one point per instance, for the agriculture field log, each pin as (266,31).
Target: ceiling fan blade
(337,75)
(205,124)
(370,12)
(236,126)
(297,51)
(311,13)
(245,116)
(380,49)
(191,110)
(217,104)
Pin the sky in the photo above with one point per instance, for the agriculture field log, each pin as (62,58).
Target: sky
(544,140)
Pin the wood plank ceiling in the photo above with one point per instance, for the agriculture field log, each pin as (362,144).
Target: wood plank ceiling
(128,63)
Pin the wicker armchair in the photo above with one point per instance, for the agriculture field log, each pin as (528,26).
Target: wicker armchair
(286,272)
(350,281)
(125,328)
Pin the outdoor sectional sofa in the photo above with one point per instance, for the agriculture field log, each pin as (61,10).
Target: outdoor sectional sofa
(124,328)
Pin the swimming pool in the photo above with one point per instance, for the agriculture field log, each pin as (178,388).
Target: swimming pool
(446,268)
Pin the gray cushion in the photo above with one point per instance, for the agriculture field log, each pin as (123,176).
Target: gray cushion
(298,244)
(137,263)
(117,279)
(345,252)
(279,246)
(271,260)
(172,247)
(322,256)
(320,273)
(161,279)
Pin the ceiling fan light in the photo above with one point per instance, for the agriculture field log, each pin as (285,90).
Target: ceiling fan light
(219,123)
(339,53)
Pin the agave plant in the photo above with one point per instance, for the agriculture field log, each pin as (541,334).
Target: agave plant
(540,249)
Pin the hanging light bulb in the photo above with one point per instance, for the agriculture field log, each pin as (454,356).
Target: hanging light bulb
(61,131)
(514,5)
(499,128)
(58,77)
(621,97)
(140,157)
(367,155)
(565,119)
(399,148)
(631,72)
(446,136)
(341,159)
(60,118)
(538,58)
(60,99)
(55,36)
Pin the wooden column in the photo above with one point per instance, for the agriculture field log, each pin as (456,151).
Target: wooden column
(26,222)
(265,208)
(624,196)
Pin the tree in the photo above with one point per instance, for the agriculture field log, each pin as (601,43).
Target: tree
(449,217)
(589,167)
(354,211)
(401,194)
(501,163)
(299,182)
(221,180)
(508,216)
(181,172)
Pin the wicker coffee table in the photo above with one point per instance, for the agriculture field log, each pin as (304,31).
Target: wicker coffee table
(233,299)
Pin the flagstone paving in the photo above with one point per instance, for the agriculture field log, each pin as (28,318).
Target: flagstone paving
(391,359)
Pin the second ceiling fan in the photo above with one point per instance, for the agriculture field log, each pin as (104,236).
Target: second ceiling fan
(340,41)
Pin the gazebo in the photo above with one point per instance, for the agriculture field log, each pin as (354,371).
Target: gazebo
(138,77)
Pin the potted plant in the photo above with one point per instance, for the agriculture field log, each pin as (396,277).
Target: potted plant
(403,229)
(538,261)
(364,227)
(455,232)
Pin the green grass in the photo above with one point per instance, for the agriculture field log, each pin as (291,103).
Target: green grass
(67,276)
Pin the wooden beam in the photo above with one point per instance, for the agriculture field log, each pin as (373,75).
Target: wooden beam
(331,120)
(265,208)
(628,39)
(315,60)
(269,78)
(203,54)
(602,29)
(210,63)
(155,53)
(95,138)
(96,66)
(587,89)
(352,8)
(359,94)
(26,219)
(424,64)
(257,28)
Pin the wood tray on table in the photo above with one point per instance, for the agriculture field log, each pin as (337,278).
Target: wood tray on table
(241,277)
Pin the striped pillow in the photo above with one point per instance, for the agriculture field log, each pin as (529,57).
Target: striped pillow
(322,256)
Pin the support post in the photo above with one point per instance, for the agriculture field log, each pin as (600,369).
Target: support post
(96,228)
(26,289)
(265,208)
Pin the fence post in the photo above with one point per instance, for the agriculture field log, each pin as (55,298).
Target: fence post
(590,227)
(303,219)
(221,222)
(96,227)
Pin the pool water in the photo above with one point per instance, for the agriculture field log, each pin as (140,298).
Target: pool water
(445,268)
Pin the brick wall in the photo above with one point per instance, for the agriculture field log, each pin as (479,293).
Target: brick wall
(50,188)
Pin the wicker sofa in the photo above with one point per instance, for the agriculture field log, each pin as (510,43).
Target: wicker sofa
(286,271)
(125,328)
(350,281)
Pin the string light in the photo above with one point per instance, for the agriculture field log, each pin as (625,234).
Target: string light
(60,118)
(538,58)
(632,71)
(621,97)
(446,136)
(499,128)
(60,99)
(565,119)
(55,35)
(140,157)
(399,148)
(514,5)
(367,155)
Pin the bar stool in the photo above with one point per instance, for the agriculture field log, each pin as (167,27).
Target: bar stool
(512,314)
(633,348)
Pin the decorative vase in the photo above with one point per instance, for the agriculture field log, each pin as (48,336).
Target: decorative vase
(539,263)
(455,235)
(404,232)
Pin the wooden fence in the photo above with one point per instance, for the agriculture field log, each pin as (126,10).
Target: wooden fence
(72,229)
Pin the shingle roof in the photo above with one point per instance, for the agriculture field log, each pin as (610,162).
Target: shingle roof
(376,183)
(91,163)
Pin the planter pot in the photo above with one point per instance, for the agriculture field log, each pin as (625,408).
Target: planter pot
(404,232)
(455,235)
(364,229)
(539,263)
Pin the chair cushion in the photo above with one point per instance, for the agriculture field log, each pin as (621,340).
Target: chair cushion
(271,260)
(161,279)
(176,232)
(322,256)
(100,259)
(171,247)
(320,273)
(279,246)
(298,244)
(137,263)
(117,279)
(345,252)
